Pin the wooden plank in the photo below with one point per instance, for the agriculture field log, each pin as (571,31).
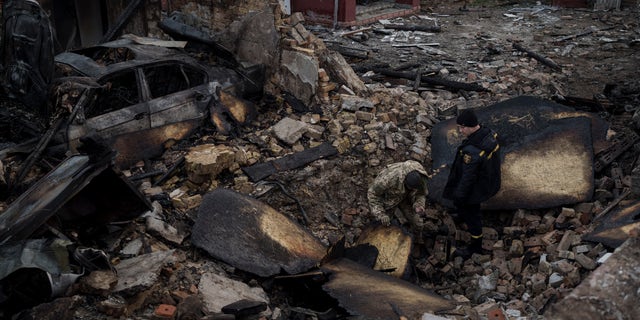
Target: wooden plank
(260,171)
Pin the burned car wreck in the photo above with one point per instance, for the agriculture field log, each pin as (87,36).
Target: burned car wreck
(148,96)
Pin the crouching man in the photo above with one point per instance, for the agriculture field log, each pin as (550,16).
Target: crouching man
(399,191)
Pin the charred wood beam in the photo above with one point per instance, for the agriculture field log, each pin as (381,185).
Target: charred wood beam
(584,33)
(624,141)
(434,81)
(24,147)
(382,31)
(413,27)
(348,33)
(612,205)
(453,85)
(544,60)
(408,66)
(146,175)
(35,155)
(364,67)
(122,19)
(174,168)
(260,171)
(352,52)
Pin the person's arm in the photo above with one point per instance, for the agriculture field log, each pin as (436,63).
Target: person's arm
(375,195)
(420,201)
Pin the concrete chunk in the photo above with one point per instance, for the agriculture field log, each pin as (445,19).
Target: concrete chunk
(141,271)
(218,291)
(289,130)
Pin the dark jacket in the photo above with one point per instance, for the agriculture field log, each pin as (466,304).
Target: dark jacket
(475,173)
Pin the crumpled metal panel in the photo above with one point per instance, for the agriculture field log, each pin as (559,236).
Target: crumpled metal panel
(42,269)
(252,236)
(615,228)
(76,185)
(374,295)
(41,201)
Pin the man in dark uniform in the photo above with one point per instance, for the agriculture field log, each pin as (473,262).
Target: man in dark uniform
(474,176)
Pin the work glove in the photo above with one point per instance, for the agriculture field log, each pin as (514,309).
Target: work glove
(385,220)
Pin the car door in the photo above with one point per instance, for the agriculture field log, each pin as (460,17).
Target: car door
(117,109)
(179,94)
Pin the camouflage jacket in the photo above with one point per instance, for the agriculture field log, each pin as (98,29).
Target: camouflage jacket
(388,190)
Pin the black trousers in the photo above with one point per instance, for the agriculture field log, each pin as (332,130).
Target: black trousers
(471,215)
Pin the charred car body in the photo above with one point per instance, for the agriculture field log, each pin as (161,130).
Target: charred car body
(133,94)
(147,96)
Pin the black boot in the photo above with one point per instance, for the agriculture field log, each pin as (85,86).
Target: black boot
(475,246)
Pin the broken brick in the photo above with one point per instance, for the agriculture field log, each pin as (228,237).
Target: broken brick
(533,242)
(165,311)
(585,261)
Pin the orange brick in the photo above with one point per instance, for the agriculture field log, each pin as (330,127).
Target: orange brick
(165,311)
(495,314)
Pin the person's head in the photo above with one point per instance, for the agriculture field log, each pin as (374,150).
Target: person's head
(415,181)
(467,122)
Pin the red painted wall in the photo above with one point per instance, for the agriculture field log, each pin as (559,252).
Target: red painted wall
(346,8)
(323,10)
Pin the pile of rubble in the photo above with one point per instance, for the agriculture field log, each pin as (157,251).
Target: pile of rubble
(310,154)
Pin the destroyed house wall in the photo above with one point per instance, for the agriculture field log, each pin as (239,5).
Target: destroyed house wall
(142,22)
(80,24)
(215,15)
(349,12)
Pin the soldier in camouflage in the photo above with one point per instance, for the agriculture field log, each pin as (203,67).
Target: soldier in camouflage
(399,190)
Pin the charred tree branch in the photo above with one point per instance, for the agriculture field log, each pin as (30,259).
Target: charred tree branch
(544,60)
(433,81)
(413,27)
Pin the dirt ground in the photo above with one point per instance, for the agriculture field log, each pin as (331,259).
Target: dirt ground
(593,48)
